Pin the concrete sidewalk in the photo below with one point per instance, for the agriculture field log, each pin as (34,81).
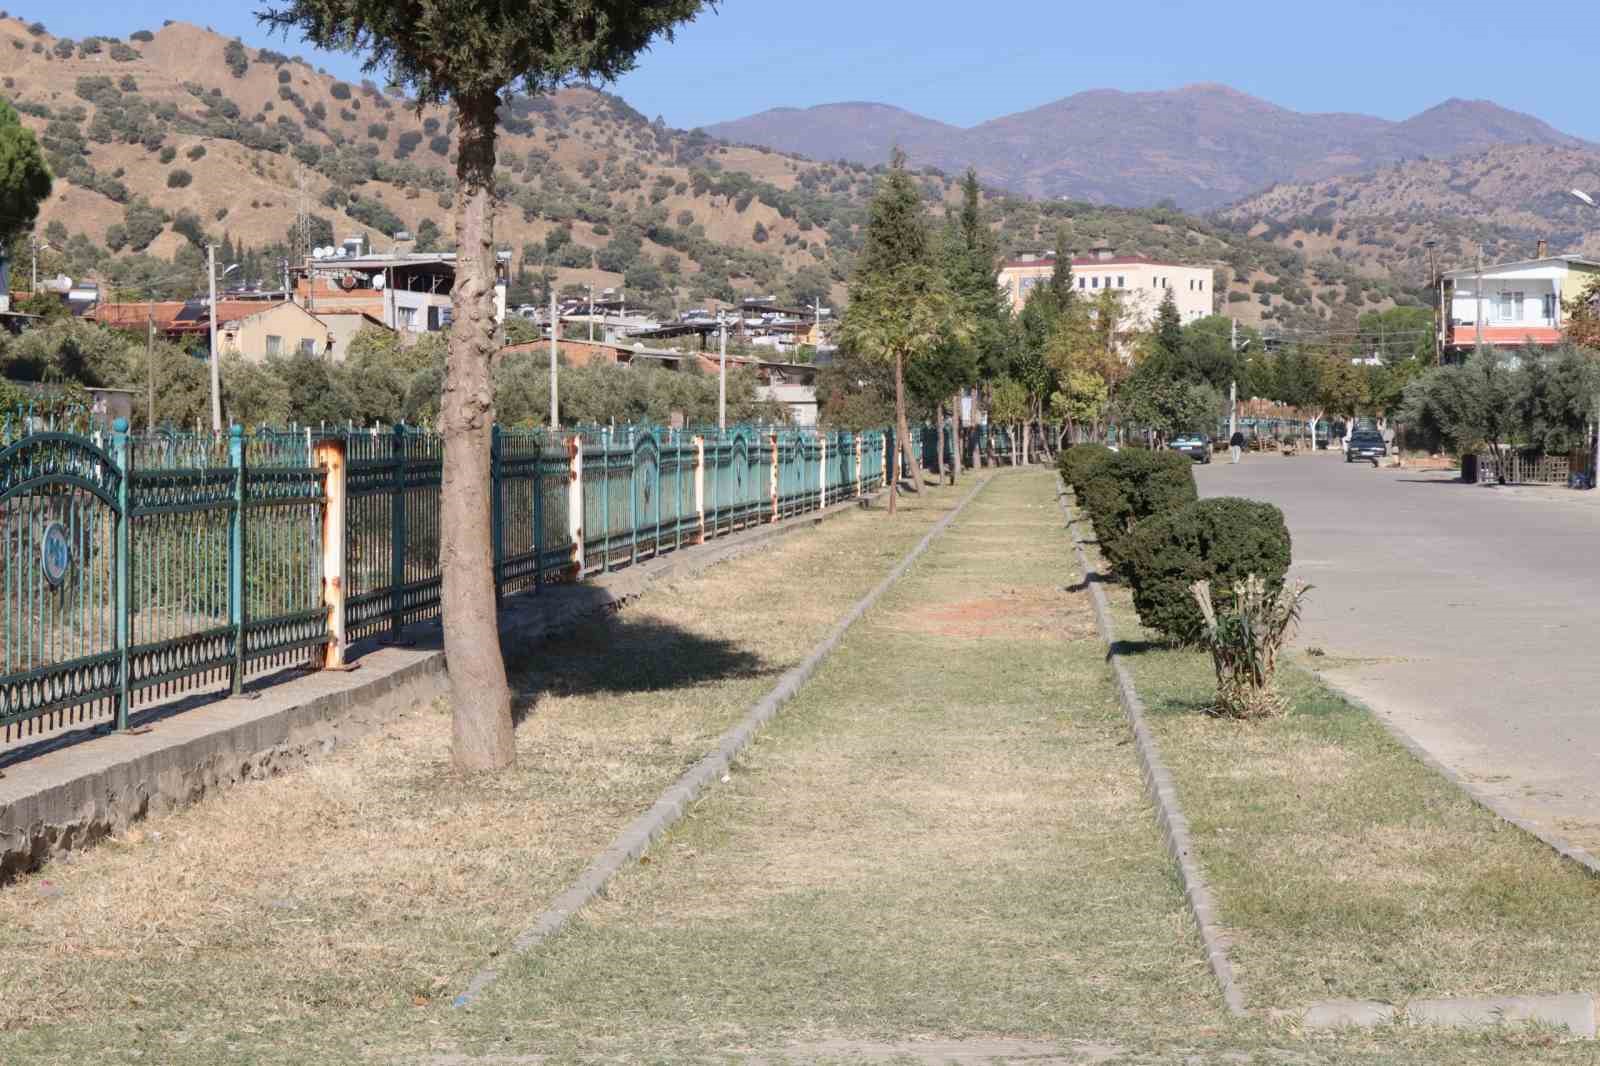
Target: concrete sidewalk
(78,786)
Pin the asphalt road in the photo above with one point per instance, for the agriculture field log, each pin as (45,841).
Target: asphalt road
(1468,615)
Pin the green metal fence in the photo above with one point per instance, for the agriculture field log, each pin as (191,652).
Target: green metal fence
(137,568)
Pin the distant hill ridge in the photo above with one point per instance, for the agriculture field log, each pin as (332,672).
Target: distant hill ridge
(1200,146)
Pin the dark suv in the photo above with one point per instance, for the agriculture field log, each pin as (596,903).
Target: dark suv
(1366,444)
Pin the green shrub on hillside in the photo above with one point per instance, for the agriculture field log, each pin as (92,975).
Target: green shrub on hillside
(1222,541)
(1127,488)
(1077,461)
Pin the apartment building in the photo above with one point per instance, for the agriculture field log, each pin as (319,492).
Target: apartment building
(1141,282)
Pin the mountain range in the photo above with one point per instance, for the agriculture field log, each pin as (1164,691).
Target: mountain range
(1200,147)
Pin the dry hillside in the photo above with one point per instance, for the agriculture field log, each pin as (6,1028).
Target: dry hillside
(1507,198)
(178,136)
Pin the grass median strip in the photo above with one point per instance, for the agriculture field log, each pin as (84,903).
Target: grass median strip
(1344,867)
(330,908)
(943,836)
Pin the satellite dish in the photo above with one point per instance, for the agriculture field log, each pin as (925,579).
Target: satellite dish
(377,282)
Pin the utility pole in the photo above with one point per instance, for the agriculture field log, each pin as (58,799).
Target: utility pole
(1233,386)
(216,370)
(555,336)
(1479,315)
(722,372)
(34,242)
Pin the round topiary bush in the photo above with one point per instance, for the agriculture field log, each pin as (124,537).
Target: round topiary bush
(1076,462)
(1220,540)
(1126,488)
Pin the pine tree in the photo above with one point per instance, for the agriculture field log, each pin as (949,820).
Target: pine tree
(1061,283)
(1168,336)
(901,307)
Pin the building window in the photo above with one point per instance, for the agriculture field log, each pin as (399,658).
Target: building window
(1096,283)
(1550,308)
(405,317)
(1122,282)
(1083,282)
(274,345)
(1202,284)
(1509,307)
(308,346)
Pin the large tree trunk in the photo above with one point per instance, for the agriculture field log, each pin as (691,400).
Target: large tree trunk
(955,422)
(480,736)
(913,467)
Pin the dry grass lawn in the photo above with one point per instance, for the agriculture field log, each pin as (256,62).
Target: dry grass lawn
(305,911)
(1343,866)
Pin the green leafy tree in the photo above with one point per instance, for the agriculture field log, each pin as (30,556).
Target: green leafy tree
(901,308)
(24,177)
(469,52)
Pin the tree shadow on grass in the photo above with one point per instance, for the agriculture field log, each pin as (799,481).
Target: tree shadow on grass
(620,656)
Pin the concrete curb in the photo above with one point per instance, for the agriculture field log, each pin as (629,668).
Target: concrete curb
(75,795)
(1574,1012)
(1159,785)
(637,836)
(1568,850)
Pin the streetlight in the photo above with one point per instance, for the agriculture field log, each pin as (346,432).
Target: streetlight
(1594,459)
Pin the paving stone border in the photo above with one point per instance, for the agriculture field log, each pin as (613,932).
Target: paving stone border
(71,795)
(637,836)
(1575,1012)
(1158,783)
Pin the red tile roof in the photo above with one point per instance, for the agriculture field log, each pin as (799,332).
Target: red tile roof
(1091,261)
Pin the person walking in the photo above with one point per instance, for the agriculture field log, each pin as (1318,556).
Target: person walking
(1236,445)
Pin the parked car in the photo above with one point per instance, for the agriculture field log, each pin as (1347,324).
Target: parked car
(1196,446)
(1366,444)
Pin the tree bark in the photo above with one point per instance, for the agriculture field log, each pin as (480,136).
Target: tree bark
(955,422)
(913,468)
(481,735)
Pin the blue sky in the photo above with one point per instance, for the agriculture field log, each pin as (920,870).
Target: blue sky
(940,59)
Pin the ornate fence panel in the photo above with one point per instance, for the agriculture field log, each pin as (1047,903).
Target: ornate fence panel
(277,564)
(517,458)
(557,552)
(645,496)
(133,569)
(62,548)
(374,473)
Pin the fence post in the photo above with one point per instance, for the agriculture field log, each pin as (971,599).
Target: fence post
(773,482)
(330,456)
(538,514)
(575,498)
(236,556)
(700,489)
(605,498)
(397,536)
(497,514)
(860,482)
(122,455)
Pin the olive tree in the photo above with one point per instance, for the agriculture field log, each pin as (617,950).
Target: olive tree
(468,53)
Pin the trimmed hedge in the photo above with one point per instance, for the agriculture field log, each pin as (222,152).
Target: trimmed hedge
(1126,488)
(1222,540)
(1076,462)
